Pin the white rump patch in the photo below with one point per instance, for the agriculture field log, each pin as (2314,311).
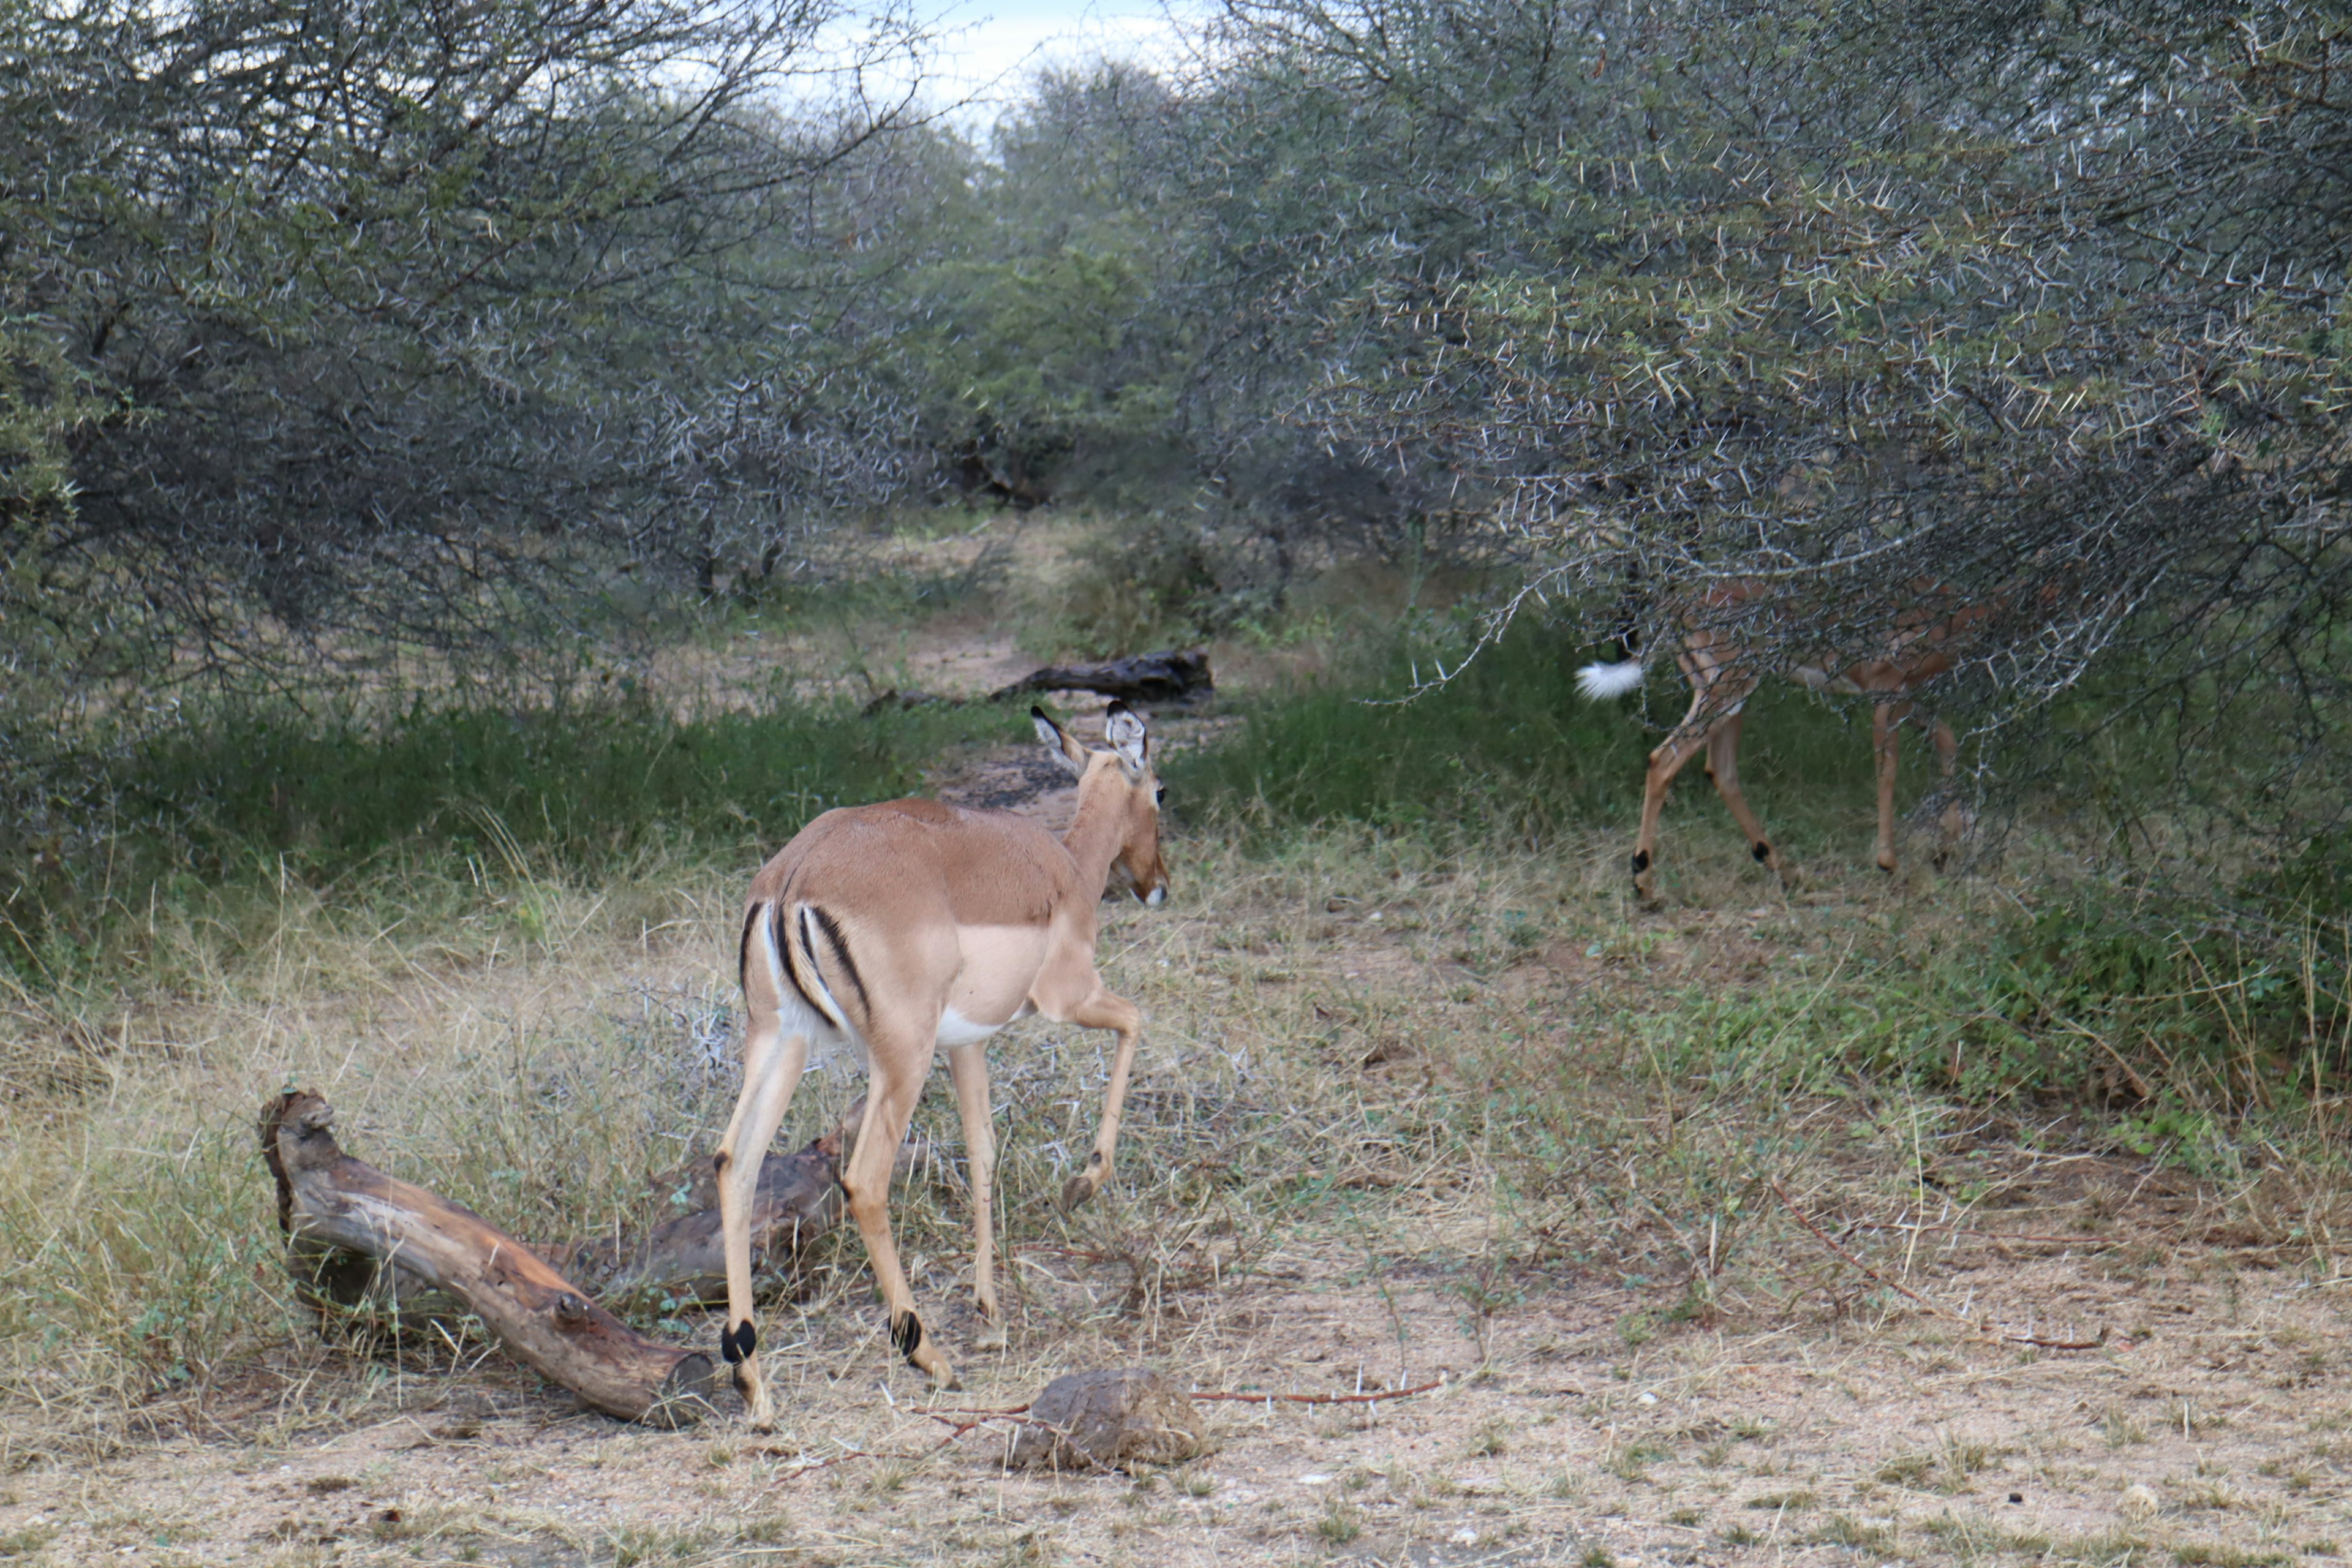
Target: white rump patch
(831,1045)
(1599,682)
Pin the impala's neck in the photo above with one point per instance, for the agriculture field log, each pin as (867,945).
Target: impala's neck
(1095,832)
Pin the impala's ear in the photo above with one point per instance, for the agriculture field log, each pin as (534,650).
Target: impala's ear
(1065,749)
(1127,738)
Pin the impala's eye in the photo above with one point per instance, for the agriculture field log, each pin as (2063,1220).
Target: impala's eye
(1160,795)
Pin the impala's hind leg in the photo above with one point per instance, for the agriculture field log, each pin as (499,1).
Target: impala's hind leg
(1954,822)
(1102,1010)
(901,1060)
(1885,735)
(772,1060)
(968,1067)
(1723,767)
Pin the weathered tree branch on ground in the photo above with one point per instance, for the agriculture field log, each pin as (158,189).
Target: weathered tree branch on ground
(332,1205)
(1169,676)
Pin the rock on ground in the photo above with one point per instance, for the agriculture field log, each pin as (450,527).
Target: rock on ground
(1132,1415)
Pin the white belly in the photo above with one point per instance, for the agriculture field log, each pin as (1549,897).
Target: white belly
(955,1029)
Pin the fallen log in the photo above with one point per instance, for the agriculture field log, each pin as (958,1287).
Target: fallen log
(332,1206)
(1172,676)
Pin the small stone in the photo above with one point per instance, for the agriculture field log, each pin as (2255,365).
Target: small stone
(1465,1536)
(1314,1481)
(2138,1502)
(1107,1419)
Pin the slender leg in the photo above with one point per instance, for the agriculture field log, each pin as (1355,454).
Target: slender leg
(1955,820)
(968,1065)
(772,1061)
(1102,1010)
(1723,767)
(1713,699)
(1885,731)
(901,1061)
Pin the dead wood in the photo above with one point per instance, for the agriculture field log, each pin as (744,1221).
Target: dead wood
(1169,676)
(332,1208)
(682,1260)
(1159,678)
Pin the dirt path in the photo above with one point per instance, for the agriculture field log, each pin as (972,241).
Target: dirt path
(1578,1420)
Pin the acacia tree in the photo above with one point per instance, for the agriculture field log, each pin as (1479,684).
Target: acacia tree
(352,323)
(2041,305)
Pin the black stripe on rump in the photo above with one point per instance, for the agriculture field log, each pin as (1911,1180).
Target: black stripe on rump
(743,948)
(792,975)
(841,950)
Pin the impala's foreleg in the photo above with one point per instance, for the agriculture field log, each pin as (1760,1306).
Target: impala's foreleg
(1723,767)
(772,1060)
(1102,1010)
(968,1067)
(901,1060)
(1885,735)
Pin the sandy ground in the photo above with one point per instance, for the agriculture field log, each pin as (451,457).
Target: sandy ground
(2222,1396)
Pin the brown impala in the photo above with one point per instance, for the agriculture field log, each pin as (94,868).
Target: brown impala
(900,930)
(1922,641)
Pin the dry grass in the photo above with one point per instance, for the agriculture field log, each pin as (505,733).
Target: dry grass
(1402,1114)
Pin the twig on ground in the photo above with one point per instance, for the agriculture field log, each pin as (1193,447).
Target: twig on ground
(1372,1398)
(2102,1242)
(1934,1308)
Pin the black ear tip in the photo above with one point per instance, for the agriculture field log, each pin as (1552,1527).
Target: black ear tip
(1118,706)
(1039,714)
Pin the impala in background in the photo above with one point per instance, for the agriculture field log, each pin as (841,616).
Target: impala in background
(1724,668)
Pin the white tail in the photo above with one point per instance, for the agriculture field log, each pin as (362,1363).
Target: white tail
(1599,682)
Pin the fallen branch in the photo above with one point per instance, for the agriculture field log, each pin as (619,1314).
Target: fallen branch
(1173,676)
(1934,1308)
(1373,1398)
(331,1206)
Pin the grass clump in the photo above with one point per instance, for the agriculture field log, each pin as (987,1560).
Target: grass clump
(252,795)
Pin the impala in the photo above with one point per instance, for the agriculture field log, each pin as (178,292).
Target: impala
(901,930)
(1724,670)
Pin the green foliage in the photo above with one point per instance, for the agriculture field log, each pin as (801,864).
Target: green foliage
(259,792)
(584,783)
(387,332)
(1037,339)
(2088,999)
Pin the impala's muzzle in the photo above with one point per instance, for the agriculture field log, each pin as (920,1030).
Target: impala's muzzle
(1153,892)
